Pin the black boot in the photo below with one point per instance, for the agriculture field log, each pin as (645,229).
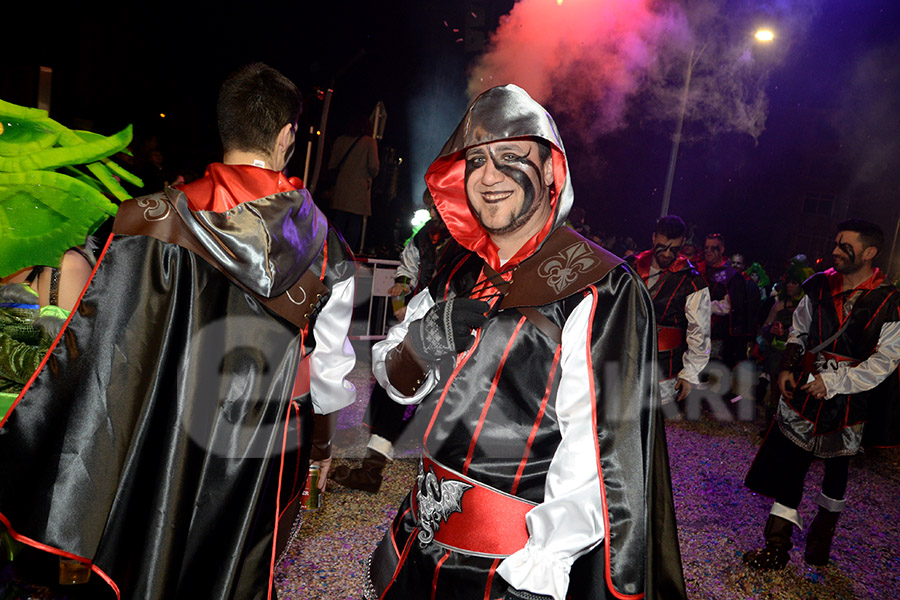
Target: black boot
(778,542)
(818,541)
(367,477)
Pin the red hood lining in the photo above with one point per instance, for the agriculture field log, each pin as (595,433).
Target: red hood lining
(446,181)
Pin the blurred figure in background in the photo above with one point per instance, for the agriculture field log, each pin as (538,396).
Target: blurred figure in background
(354,161)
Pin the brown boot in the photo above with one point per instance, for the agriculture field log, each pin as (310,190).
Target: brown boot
(818,541)
(367,477)
(774,556)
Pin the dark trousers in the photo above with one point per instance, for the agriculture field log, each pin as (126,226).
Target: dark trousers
(780,467)
(385,417)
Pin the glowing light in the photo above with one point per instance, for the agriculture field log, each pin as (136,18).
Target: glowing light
(420,217)
(559,2)
(162,115)
(764,35)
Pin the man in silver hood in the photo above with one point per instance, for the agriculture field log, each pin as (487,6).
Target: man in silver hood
(544,471)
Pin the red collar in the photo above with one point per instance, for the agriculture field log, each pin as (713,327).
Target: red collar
(225,186)
(645,261)
(836,281)
(836,284)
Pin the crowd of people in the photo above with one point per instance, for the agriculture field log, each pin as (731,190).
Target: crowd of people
(164,440)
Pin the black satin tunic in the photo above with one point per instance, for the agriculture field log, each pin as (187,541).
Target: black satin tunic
(479,422)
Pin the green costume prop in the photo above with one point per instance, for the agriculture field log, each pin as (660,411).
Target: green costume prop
(54,183)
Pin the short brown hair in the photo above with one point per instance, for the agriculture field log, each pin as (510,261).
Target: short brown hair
(255,103)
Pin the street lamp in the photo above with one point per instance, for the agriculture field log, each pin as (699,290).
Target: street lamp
(763,36)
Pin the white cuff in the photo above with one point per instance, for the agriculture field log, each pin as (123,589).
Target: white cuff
(788,514)
(538,571)
(381,446)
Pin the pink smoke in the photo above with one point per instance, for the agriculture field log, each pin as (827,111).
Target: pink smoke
(584,57)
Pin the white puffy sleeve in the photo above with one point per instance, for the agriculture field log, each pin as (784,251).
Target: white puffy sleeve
(333,357)
(697,312)
(800,321)
(416,309)
(409,265)
(870,372)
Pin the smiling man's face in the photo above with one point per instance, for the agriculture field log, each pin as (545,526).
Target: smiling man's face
(508,185)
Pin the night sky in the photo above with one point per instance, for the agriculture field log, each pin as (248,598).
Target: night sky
(831,91)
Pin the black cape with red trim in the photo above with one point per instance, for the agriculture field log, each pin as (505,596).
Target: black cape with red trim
(159,439)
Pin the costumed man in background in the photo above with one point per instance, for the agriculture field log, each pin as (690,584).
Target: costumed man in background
(681,303)
(543,424)
(424,254)
(839,392)
(165,439)
(728,296)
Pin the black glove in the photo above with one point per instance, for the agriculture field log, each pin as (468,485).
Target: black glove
(514,594)
(446,328)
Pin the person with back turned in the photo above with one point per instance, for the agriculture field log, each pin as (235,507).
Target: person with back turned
(165,440)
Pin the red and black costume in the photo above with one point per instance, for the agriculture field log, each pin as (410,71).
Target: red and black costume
(859,369)
(681,303)
(544,464)
(161,440)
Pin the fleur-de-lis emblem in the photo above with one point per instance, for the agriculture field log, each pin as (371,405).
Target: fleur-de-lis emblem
(154,208)
(436,502)
(562,269)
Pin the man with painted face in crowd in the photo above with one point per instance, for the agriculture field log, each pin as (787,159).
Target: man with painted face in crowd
(839,392)
(544,471)
(165,442)
(681,303)
(728,296)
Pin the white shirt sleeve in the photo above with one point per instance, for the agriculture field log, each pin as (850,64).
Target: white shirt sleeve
(870,372)
(409,265)
(697,310)
(570,522)
(800,322)
(333,357)
(416,309)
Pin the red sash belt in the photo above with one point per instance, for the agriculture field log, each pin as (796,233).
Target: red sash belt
(668,338)
(491,522)
(809,360)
